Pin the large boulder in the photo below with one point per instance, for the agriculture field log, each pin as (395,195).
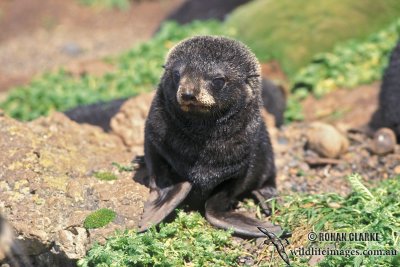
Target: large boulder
(129,122)
(48,186)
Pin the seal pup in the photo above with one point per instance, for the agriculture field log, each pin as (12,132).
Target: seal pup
(388,113)
(205,141)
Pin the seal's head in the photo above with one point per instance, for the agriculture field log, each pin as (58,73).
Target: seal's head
(208,74)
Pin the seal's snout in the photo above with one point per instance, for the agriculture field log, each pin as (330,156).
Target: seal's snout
(188,100)
(188,97)
(195,99)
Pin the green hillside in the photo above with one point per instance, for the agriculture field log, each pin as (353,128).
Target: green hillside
(294,31)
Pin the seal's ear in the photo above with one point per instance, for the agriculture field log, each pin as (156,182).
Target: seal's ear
(163,66)
(161,202)
(251,76)
(249,86)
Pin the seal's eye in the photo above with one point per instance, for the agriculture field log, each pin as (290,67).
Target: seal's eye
(218,83)
(176,76)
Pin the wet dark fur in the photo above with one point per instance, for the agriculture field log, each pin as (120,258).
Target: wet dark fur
(274,101)
(388,113)
(207,152)
(226,150)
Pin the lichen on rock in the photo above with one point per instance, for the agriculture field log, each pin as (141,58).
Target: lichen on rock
(47,187)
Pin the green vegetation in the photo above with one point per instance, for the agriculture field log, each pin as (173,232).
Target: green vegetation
(105,176)
(99,218)
(121,4)
(188,241)
(293,110)
(367,211)
(293,31)
(137,71)
(123,168)
(349,64)
(191,241)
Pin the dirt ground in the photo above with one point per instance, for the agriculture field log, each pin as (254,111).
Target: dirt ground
(38,35)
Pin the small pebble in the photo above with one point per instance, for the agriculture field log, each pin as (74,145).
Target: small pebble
(397,170)
(384,141)
(71,49)
(326,140)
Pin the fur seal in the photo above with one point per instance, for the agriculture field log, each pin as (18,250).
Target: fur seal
(388,113)
(11,254)
(205,141)
(274,100)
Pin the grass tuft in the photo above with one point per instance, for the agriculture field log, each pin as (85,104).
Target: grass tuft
(105,176)
(123,168)
(99,218)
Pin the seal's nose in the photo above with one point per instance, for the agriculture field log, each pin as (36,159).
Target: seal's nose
(188,96)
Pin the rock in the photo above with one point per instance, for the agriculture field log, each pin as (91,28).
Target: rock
(71,49)
(384,141)
(397,169)
(317,161)
(129,122)
(73,242)
(75,190)
(6,239)
(326,140)
(48,188)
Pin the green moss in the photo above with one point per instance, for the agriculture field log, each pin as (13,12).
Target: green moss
(187,241)
(293,31)
(99,218)
(105,176)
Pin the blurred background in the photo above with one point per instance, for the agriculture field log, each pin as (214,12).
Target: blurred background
(60,54)
(38,36)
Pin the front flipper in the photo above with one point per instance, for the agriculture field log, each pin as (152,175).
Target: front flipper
(161,202)
(241,224)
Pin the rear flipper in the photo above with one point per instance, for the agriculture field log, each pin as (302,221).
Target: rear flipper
(217,213)
(161,202)
(263,195)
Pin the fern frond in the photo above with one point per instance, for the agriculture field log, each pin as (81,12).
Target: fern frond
(359,188)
